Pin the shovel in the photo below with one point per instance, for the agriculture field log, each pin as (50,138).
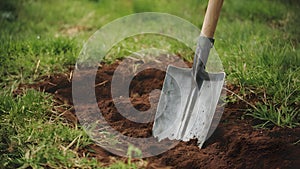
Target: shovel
(189,96)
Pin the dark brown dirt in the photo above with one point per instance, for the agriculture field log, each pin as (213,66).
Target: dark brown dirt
(234,144)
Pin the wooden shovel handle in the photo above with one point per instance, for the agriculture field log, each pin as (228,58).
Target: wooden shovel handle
(211,18)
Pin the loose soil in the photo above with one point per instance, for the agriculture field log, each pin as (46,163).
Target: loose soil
(234,144)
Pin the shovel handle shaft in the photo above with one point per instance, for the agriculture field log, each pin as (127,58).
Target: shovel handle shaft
(211,18)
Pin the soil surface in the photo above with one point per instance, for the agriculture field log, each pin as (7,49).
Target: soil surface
(234,144)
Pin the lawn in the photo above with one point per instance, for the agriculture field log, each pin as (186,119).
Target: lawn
(257,41)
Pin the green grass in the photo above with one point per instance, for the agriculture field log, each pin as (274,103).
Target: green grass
(258,42)
(34,136)
(24,61)
(264,58)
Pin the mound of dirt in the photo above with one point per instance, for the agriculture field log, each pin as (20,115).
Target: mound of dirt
(234,144)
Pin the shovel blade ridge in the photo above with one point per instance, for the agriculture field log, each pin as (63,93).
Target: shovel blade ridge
(174,98)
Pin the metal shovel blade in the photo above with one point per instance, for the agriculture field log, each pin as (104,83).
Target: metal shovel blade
(184,111)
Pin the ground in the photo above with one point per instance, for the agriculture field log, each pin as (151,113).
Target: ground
(234,144)
(40,41)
